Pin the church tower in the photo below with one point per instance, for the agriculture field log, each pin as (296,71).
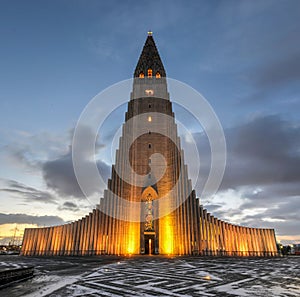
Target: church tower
(149,206)
(150,147)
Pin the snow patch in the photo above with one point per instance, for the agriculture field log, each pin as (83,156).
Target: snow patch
(58,283)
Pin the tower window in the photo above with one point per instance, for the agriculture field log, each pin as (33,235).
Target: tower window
(149,119)
(149,72)
(149,145)
(149,105)
(142,75)
(149,92)
(157,75)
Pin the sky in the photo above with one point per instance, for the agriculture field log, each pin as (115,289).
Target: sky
(242,56)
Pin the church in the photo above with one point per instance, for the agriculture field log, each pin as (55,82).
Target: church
(151,208)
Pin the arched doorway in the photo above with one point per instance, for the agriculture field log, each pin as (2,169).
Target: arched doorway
(149,244)
(149,226)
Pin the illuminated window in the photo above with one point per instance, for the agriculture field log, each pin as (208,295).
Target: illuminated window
(157,75)
(142,75)
(149,92)
(149,119)
(149,72)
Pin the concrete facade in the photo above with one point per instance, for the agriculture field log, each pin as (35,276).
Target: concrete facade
(159,212)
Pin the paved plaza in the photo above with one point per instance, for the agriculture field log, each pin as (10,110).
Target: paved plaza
(158,276)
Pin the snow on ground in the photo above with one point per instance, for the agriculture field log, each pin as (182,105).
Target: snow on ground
(55,283)
(187,277)
(163,276)
(9,265)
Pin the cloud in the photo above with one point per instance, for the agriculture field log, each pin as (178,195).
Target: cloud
(30,150)
(68,205)
(261,185)
(47,154)
(285,70)
(59,176)
(27,193)
(261,152)
(58,173)
(20,218)
(284,215)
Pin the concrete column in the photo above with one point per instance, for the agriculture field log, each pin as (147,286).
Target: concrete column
(63,240)
(56,241)
(227,239)
(259,243)
(234,242)
(217,236)
(85,235)
(100,224)
(241,239)
(80,246)
(88,234)
(273,240)
(210,236)
(43,241)
(30,246)
(205,233)
(197,225)
(67,243)
(93,233)
(230,238)
(221,242)
(267,242)
(72,239)
(25,243)
(52,242)
(249,242)
(76,237)
(38,241)
(254,238)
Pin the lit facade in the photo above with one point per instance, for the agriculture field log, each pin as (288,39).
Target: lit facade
(161,213)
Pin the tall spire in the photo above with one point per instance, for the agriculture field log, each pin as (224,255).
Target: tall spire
(150,60)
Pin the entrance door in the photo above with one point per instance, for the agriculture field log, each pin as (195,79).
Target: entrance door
(149,244)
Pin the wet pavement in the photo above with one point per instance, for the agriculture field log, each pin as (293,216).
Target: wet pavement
(157,276)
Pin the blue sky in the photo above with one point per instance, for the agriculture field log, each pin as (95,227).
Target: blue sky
(243,56)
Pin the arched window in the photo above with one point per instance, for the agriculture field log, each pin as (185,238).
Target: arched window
(157,75)
(142,75)
(149,72)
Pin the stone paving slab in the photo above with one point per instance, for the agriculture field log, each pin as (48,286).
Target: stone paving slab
(161,276)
